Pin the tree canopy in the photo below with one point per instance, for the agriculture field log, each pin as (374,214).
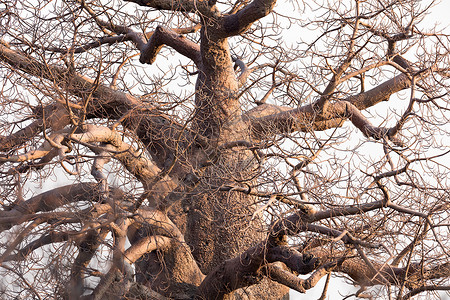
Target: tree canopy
(193,149)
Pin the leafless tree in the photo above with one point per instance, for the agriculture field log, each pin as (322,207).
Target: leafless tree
(188,149)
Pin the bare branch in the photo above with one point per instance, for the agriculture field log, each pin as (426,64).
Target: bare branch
(163,36)
(240,21)
(201,6)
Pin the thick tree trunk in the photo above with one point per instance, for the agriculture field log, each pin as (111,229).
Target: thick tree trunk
(219,224)
(220,227)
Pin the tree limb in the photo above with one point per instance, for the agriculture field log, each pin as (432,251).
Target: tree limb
(202,6)
(164,36)
(240,21)
(306,118)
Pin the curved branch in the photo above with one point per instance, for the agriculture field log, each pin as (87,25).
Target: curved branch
(56,118)
(50,200)
(159,37)
(153,230)
(306,118)
(146,245)
(247,268)
(86,250)
(140,291)
(240,21)
(152,178)
(164,36)
(101,41)
(245,71)
(52,237)
(201,6)
(53,141)
(280,275)
(425,288)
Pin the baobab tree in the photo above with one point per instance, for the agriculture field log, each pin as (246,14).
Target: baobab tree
(194,149)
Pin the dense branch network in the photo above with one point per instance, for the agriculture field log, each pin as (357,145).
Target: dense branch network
(206,168)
